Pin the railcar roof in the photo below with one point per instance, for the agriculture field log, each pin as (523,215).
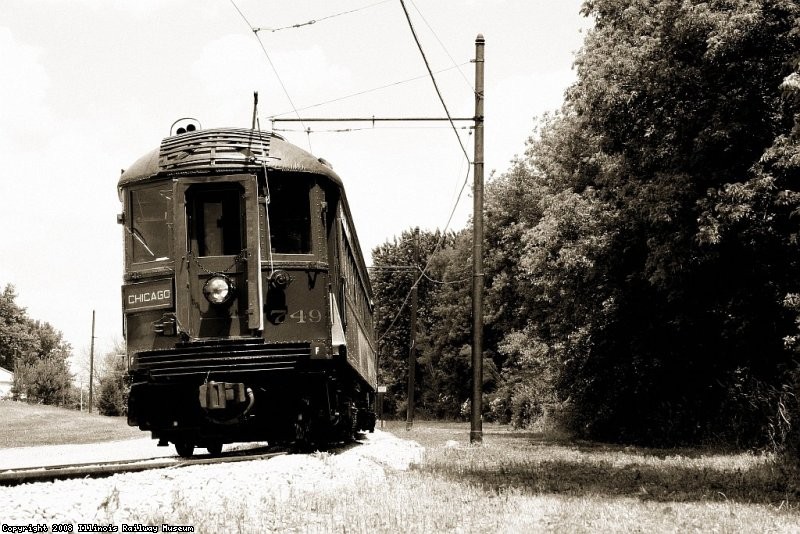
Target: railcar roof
(223,150)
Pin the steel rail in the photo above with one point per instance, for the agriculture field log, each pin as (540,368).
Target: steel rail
(48,473)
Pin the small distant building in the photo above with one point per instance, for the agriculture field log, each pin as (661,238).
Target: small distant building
(6,382)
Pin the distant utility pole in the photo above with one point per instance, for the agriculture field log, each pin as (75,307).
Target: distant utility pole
(91,365)
(476,429)
(412,350)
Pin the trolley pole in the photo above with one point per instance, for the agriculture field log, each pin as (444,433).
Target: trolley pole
(476,429)
(91,365)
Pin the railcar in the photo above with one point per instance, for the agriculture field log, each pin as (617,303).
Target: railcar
(247,307)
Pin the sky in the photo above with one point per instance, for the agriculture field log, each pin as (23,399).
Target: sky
(88,86)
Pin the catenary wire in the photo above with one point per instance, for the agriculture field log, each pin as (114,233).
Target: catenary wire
(314,21)
(442,281)
(433,78)
(461,192)
(271,64)
(456,66)
(360,93)
(427,263)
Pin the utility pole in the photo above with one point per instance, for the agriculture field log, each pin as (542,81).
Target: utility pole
(476,431)
(91,365)
(476,428)
(412,350)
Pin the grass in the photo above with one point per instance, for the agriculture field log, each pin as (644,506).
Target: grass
(540,464)
(514,482)
(26,425)
(527,482)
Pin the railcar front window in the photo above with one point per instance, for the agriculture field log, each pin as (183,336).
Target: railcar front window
(150,230)
(216,222)
(290,216)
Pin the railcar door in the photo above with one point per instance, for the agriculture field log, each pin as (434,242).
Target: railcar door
(218,281)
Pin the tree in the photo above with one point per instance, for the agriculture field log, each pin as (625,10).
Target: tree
(396,269)
(666,330)
(16,339)
(113,387)
(442,367)
(46,380)
(446,352)
(42,372)
(36,352)
(642,254)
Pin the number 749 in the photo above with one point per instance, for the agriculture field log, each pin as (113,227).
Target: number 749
(310,316)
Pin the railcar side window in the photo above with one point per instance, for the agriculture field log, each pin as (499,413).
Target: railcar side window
(215,223)
(290,216)
(150,230)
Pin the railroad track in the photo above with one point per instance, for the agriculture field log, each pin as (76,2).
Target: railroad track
(13,477)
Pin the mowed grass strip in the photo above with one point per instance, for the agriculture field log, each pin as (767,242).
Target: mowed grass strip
(537,463)
(26,425)
(667,489)
(527,482)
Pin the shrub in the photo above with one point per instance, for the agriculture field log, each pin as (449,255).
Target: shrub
(784,425)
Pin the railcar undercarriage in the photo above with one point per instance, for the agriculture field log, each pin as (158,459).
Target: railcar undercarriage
(309,406)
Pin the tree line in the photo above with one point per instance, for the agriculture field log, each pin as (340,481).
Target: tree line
(36,353)
(642,255)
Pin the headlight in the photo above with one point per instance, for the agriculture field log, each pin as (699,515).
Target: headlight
(219,289)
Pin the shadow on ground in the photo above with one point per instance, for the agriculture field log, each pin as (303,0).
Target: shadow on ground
(532,463)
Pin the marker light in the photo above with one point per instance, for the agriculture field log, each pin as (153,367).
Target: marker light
(218,289)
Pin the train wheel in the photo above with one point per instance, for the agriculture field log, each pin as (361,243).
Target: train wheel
(306,437)
(215,448)
(301,437)
(185,449)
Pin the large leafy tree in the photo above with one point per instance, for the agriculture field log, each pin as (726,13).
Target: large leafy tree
(641,255)
(16,338)
(677,320)
(36,352)
(548,235)
(397,267)
(113,387)
(443,369)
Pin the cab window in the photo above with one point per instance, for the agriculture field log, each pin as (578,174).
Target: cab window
(215,220)
(290,215)
(150,228)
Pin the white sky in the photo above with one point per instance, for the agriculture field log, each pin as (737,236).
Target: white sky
(88,86)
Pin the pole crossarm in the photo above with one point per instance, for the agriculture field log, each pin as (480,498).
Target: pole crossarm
(375,119)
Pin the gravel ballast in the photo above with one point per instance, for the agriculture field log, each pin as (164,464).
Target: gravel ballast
(128,498)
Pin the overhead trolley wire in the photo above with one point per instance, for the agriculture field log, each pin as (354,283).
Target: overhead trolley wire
(365,91)
(295,110)
(463,186)
(433,78)
(271,64)
(314,21)
(443,281)
(456,66)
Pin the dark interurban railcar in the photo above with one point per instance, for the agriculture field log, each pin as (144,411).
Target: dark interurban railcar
(247,305)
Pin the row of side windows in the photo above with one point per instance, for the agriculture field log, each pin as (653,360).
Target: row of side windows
(355,290)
